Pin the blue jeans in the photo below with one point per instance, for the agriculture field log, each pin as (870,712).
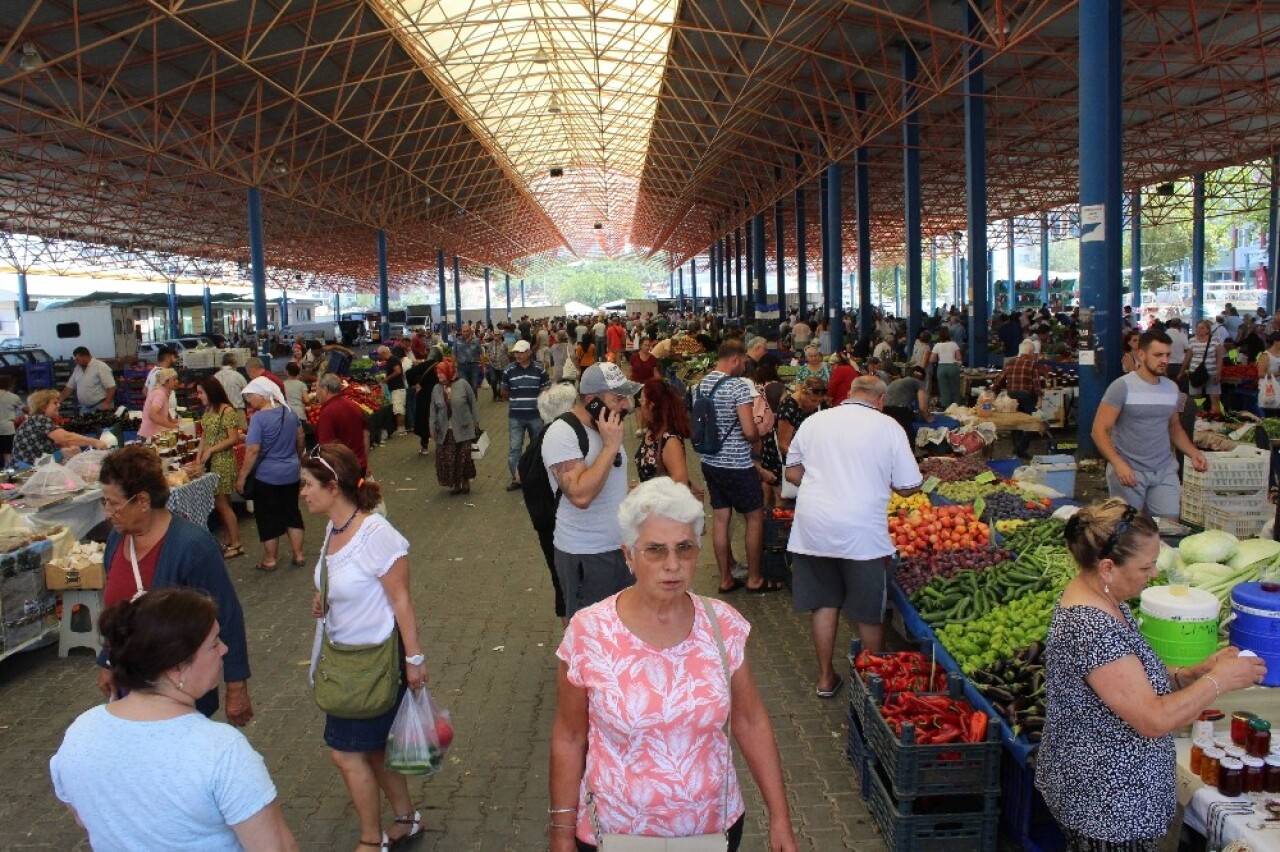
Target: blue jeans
(471,372)
(516,427)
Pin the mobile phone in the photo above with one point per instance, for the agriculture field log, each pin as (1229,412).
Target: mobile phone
(595,408)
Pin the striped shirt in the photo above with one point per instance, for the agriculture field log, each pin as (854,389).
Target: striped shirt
(735,452)
(523,384)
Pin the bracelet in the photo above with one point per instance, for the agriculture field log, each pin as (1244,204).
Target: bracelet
(1217,690)
(1176,676)
(562,810)
(562,825)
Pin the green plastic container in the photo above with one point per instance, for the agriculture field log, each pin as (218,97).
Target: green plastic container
(1182,629)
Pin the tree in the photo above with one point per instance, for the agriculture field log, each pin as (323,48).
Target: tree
(597,282)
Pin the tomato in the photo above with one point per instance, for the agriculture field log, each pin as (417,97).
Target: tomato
(444,732)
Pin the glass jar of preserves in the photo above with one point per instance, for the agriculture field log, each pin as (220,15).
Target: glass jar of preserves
(1258,743)
(1254,774)
(1235,752)
(1240,726)
(1223,743)
(1271,774)
(1231,777)
(1202,728)
(1209,765)
(1197,753)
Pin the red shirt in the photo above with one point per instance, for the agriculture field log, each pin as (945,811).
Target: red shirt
(617,336)
(842,376)
(642,370)
(267,374)
(341,420)
(121,584)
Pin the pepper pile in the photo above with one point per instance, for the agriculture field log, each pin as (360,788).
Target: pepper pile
(1035,533)
(938,719)
(904,671)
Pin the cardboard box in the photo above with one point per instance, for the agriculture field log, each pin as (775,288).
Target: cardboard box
(81,575)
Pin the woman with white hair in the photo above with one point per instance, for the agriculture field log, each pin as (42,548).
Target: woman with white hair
(656,671)
(813,365)
(155,411)
(273,457)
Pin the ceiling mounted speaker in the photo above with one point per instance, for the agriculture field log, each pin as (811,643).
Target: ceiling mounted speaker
(557,172)
(1165,189)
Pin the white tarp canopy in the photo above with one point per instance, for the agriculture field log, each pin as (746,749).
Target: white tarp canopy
(577,309)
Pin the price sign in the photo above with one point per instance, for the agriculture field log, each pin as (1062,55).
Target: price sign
(985,477)
(930,484)
(979,506)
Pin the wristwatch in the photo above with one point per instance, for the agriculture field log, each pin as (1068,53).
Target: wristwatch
(415,660)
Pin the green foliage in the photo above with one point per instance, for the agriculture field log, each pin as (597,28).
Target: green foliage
(595,282)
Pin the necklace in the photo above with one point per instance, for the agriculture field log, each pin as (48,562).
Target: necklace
(340,530)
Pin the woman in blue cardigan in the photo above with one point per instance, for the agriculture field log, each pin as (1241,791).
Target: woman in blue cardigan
(150,548)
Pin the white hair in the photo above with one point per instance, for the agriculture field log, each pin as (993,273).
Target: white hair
(556,400)
(1026,347)
(661,496)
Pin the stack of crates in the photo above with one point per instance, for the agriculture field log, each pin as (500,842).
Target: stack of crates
(1231,495)
(923,797)
(775,562)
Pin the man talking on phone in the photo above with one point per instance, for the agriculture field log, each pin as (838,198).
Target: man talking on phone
(588,540)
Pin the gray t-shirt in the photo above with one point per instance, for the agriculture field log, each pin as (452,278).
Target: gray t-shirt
(173,784)
(1141,433)
(902,393)
(91,383)
(593,529)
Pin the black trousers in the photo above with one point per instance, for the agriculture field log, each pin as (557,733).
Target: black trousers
(1027,405)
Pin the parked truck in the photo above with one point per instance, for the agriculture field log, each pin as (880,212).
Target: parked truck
(105,330)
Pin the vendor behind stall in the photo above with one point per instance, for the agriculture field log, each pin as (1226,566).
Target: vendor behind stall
(904,393)
(40,435)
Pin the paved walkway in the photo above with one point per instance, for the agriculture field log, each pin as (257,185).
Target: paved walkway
(484,604)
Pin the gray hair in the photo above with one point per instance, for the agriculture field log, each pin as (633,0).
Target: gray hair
(663,497)
(556,400)
(331,382)
(164,374)
(868,386)
(1026,347)
(756,341)
(812,349)
(253,362)
(228,360)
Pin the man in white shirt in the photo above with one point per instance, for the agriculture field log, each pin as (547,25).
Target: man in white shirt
(233,383)
(91,381)
(1177,347)
(801,334)
(884,350)
(840,546)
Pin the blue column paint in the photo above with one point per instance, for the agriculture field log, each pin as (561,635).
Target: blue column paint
(1273,237)
(835,249)
(444,289)
(1135,247)
(488,309)
(693,284)
(384,286)
(779,225)
(1012,281)
(737,272)
(522,305)
(933,276)
(22,294)
(1044,258)
(507,278)
(457,292)
(206,304)
(175,324)
(975,160)
(862,213)
(680,286)
(1101,197)
(712,284)
(257,261)
(897,292)
(1197,248)
(991,276)
(283,307)
(759,260)
(802,250)
(911,194)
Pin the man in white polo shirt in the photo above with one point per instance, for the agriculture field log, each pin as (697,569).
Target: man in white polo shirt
(846,461)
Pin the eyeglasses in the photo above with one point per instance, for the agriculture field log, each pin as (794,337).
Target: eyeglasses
(1122,527)
(315,455)
(656,554)
(113,511)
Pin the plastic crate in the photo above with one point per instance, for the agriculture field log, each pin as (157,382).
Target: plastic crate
(1242,469)
(1240,521)
(945,831)
(858,692)
(916,770)
(1191,509)
(775,562)
(1024,817)
(859,757)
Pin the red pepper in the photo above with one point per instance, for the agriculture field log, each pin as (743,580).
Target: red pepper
(978,727)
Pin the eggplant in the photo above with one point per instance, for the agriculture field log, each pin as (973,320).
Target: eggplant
(999,694)
(1035,736)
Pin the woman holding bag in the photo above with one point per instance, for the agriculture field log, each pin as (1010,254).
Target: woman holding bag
(362,582)
(455,424)
(1269,368)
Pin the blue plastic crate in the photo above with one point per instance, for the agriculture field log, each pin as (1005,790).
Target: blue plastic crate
(943,830)
(858,693)
(1024,817)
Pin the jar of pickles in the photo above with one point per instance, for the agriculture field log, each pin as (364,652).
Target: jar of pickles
(1254,774)
(1231,777)
(1258,742)
(1197,754)
(1271,774)
(1209,765)
(1240,726)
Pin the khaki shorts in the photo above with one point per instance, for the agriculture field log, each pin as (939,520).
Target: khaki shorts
(397,401)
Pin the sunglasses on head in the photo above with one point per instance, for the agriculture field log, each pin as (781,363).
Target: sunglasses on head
(315,456)
(1122,526)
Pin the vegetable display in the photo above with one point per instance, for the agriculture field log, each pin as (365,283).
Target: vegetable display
(937,719)
(953,469)
(916,501)
(1015,688)
(916,572)
(903,671)
(937,528)
(967,492)
(980,642)
(1035,533)
(971,595)
(1007,505)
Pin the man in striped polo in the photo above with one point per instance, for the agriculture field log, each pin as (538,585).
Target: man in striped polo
(522,381)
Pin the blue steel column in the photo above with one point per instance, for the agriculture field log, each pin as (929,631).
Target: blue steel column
(284,310)
(671,283)
(522,305)
(175,325)
(1101,197)
(835,252)
(759,258)
(802,249)
(1273,237)
(257,261)
(680,286)
(991,276)
(911,193)
(862,212)
(384,297)
(737,271)
(779,223)
(1197,248)
(457,292)
(444,289)
(1135,247)
(1012,282)
(711,277)
(975,161)
(22,293)
(206,305)
(488,310)
(693,283)
(897,293)
(1044,258)
(933,276)
(824,250)
(507,277)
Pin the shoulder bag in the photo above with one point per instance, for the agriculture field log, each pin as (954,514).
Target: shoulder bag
(354,681)
(718,842)
(1199,377)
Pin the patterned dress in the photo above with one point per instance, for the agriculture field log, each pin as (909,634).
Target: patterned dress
(215,426)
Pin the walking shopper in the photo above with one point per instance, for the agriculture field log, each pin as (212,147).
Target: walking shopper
(233,383)
(840,546)
(496,358)
(522,381)
(948,360)
(1023,378)
(341,420)
(730,473)
(271,452)
(455,423)
(219,434)
(466,356)
(589,562)
(661,450)
(1136,429)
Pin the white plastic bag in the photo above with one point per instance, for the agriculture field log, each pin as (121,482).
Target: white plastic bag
(1268,392)
(51,479)
(419,735)
(87,464)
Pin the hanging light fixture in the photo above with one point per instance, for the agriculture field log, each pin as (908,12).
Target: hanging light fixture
(541,57)
(30,60)
(553,104)
(278,167)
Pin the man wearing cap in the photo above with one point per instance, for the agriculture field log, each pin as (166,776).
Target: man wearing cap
(588,538)
(522,381)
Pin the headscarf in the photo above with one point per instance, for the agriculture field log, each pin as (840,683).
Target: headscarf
(447,371)
(263,386)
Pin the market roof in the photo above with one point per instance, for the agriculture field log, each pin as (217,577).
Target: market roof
(152,300)
(141,125)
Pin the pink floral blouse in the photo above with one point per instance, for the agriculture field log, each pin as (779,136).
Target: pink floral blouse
(656,746)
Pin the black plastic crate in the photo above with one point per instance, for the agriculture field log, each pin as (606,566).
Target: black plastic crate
(1024,817)
(858,693)
(775,562)
(943,830)
(917,770)
(859,757)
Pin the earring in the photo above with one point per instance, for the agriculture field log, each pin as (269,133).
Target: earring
(181,683)
(1106,589)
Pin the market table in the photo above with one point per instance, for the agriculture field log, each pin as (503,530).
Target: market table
(83,512)
(1219,819)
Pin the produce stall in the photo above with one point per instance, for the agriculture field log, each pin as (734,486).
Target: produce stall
(28,611)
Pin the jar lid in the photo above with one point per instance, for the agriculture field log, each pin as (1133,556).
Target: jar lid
(1211,715)
(1234,751)
(1202,742)
(1222,743)
(1215,753)
(1232,763)
(1253,762)
(1272,760)
(1259,725)
(1243,715)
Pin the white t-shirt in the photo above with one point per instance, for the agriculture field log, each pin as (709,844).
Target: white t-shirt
(173,784)
(593,529)
(844,497)
(11,407)
(359,611)
(1178,349)
(946,352)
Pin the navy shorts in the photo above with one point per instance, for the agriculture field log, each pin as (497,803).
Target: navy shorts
(736,488)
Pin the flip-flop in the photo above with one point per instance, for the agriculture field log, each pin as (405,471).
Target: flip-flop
(733,587)
(229,552)
(833,691)
(764,588)
(262,566)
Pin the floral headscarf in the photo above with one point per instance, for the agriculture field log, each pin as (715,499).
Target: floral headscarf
(447,371)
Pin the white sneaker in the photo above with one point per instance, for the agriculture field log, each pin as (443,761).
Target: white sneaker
(738,571)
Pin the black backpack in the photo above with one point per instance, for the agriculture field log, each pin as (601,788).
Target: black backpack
(706,437)
(541,498)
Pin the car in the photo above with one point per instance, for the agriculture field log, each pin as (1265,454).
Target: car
(13,343)
(15,362)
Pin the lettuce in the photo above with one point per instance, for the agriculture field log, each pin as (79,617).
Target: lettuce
(1208,546)
(1254,550)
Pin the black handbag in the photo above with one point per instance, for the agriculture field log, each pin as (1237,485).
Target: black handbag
(1199,377)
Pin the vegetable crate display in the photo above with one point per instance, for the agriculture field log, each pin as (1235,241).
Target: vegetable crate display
(775,562)
(856,752)
(1197,501)
(1024,816)
(1242,469)
(1243,518)
(899,671)
(937,826)
(926,744)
